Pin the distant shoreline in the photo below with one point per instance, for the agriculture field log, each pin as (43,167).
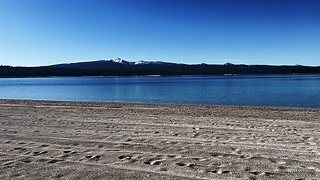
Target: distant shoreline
(154,76)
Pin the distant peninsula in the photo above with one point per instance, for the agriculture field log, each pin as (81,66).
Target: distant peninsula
(119,67)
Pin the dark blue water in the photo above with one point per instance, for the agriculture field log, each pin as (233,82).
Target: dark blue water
(286,91)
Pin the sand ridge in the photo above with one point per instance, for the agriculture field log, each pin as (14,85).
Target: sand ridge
(73,140)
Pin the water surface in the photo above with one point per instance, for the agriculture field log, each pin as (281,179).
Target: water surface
(286,91)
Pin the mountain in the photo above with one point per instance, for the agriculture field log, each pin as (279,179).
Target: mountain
(120,67)
(101,64)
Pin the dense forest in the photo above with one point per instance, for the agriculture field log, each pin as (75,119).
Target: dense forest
(125,68)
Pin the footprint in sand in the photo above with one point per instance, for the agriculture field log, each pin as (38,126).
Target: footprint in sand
(37,153)
(43,145)
(53,161)
(220,171)
(94,157)
(154,162)
(181,164)
(26,160)
(277,161)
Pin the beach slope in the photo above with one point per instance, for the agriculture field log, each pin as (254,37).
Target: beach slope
(73,140)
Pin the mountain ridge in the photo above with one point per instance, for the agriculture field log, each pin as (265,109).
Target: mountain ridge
(120,67)
(117,61)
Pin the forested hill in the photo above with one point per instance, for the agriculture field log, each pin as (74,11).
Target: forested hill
(120,67)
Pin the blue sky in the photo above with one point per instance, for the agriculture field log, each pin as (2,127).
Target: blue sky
(42,32)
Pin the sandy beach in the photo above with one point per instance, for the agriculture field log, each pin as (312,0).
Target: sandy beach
(73,140)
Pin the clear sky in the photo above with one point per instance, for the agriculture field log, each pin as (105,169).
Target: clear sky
(42,32)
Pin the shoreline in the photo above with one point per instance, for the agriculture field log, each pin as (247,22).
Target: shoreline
(158,104)
(155,76)
(81,140)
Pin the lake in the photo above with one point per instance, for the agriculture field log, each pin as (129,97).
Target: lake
(282,90)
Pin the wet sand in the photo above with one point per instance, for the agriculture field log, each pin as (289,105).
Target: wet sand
(72,140)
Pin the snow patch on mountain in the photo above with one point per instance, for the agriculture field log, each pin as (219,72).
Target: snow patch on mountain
(121,61)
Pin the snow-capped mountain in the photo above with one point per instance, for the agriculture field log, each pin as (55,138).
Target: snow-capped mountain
(112,63)
(149,62)
(121,61)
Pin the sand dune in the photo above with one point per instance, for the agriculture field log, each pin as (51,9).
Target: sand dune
(71,140)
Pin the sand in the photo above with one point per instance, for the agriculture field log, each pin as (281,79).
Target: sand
(72,140)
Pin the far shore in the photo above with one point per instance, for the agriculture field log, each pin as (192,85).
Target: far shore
(126,76)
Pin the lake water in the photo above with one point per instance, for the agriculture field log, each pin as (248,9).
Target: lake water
(286,91)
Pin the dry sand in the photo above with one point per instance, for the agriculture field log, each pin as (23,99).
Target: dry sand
(72,140)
